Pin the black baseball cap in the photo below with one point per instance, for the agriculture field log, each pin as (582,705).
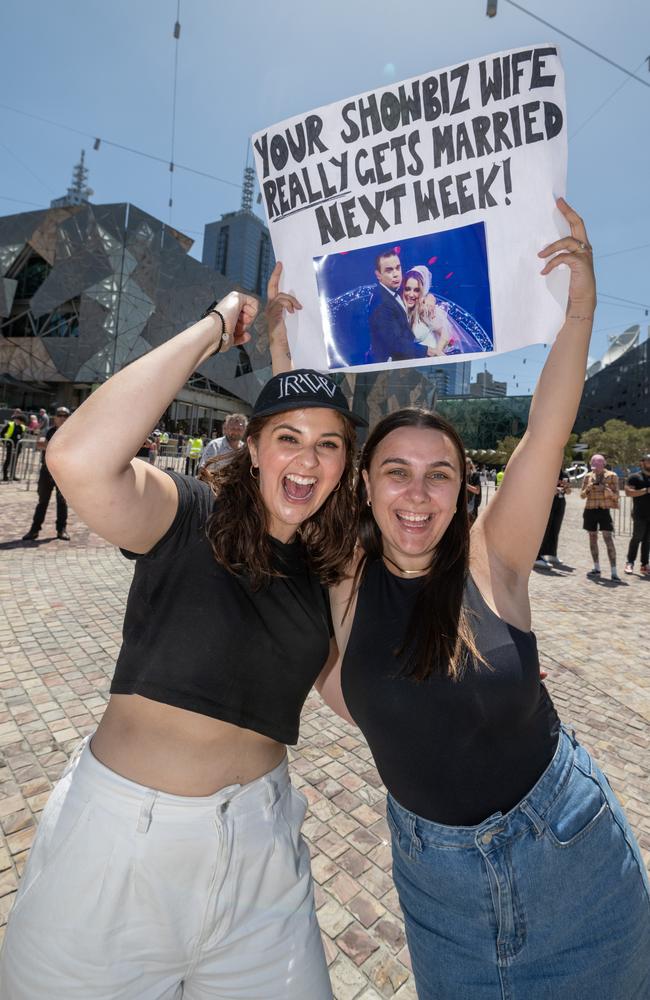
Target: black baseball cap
(302,388)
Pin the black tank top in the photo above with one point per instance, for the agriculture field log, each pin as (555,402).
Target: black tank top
(200,638)
(454,752)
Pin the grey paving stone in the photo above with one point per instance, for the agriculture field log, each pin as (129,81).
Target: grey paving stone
(59,642)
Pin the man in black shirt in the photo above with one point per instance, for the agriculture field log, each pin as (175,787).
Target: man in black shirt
(45,486)
(638,487)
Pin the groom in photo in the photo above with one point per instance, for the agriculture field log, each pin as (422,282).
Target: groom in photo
(391,337)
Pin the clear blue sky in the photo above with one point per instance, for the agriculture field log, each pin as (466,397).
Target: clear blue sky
(106,69)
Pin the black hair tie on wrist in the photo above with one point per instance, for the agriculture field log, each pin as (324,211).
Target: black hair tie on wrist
(223,339)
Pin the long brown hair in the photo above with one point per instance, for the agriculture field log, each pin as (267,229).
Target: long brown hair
(237,529)
(439,639)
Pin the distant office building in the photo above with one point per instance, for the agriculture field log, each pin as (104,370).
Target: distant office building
(485,386)
(239,245)
(619,389)
(447,380)
(375,394)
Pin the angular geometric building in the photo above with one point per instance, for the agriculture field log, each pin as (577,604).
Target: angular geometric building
(86,289)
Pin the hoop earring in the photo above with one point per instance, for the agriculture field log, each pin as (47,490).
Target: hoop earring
(338,487)
(368,503)
(251,471)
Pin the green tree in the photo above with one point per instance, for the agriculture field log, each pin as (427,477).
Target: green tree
(568,448)
(506,447)
(620,442)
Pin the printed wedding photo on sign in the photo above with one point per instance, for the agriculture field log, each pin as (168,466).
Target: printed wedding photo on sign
(408,219)
(428,297)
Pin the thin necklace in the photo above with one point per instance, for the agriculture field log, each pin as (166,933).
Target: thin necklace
(407,572)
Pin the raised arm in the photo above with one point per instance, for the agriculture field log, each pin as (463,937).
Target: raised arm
(513,524)
(128,502)
(278,302)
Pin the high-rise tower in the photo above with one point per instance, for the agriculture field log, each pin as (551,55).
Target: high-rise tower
(239,244)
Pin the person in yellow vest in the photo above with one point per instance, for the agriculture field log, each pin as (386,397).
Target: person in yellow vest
(11,432)
(499,478)
(194,448)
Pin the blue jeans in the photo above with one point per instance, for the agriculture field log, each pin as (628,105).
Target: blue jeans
(550,901)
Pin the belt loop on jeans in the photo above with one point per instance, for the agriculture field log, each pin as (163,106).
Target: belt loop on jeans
(534,817)
(416,843)
(144,820)
(571,733)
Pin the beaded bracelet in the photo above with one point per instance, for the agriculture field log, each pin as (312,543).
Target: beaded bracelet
(224,338)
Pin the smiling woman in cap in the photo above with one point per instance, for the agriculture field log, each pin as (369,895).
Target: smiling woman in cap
(169,856)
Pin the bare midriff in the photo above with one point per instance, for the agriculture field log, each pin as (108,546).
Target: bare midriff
(180,752)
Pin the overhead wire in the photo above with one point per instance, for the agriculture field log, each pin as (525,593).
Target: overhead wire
(177,35)
(21,201)
(576,41)
(615,253)
(606,101)
(119,145)
(26,167)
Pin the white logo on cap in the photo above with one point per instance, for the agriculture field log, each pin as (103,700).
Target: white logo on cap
(298,385)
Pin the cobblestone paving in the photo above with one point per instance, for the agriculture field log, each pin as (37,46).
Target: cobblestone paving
(60,620)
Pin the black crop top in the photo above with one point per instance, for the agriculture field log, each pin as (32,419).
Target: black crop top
(454,752)
(198,637)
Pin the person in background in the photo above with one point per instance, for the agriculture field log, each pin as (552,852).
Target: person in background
(43,421)
(46,484)
(638,488)
(474,493)
(498,479)
(193,449)
(600,490)
(548,549)
(33,425)
(223,448)
(153,446)
(11,432)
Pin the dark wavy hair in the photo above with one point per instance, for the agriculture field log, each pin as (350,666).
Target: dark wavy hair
(439,639)
(237,530)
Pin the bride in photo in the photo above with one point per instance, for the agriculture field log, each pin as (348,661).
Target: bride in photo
(428,318)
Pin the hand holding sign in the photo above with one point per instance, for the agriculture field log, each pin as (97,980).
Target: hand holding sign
(578,257)
(279,303)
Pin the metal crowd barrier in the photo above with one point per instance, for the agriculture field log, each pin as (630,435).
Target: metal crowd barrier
(623,516)
(169,456)
(24,460)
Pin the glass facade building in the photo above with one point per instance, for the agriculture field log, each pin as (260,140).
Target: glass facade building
(86,289)
(620,391)
(483,422)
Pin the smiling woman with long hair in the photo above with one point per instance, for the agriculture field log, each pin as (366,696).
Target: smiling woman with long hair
(169,859)
(516,869)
